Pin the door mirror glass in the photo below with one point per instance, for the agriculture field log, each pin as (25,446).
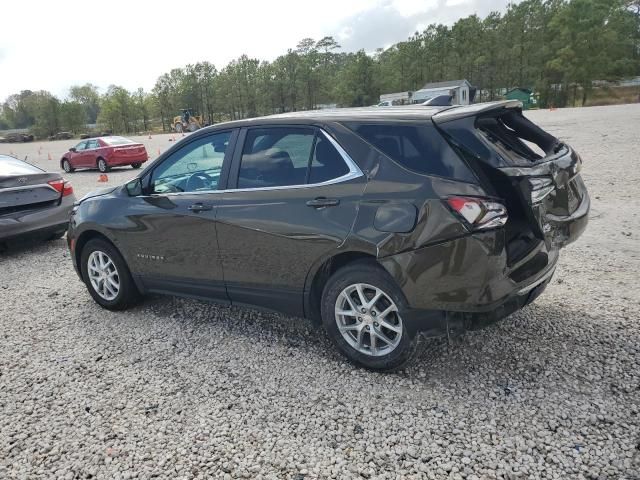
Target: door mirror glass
(134,187)
(72,149)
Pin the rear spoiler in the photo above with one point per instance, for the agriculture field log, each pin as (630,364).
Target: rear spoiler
(461,111)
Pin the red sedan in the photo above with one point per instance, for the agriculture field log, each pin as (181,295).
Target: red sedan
(103,153)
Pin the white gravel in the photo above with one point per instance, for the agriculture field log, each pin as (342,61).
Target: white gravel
(184,389)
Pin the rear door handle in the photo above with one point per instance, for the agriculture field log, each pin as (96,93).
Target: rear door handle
(200,207)
(322,202)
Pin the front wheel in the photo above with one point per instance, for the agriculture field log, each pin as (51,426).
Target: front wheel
(136,165)
(361,311)
(107,276)
(178,127)
(102,165)
(66,166)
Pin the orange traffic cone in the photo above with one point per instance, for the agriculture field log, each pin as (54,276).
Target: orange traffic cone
(103,178)
(49,156)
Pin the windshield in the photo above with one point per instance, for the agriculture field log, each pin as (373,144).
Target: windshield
(117,141)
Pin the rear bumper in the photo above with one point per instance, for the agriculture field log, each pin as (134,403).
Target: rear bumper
(468,275)
(568,229)
(117,161)
(42,220)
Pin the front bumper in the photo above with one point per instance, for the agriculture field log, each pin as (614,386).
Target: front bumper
(43,220)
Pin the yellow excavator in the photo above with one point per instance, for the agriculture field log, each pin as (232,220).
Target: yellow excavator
(187,121)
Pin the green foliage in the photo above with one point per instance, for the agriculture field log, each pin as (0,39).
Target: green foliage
(72,116)
(557,47)
(88,96)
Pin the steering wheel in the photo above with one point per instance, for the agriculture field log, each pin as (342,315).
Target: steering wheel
(198,180)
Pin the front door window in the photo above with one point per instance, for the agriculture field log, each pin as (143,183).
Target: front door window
(194,168)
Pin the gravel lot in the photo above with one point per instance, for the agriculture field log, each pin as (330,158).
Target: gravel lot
(185,389)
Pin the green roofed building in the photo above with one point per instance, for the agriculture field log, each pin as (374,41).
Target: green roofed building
(525,95)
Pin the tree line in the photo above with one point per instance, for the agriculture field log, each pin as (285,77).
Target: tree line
(556,47)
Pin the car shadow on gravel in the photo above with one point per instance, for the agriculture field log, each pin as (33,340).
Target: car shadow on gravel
(542,345)
(543,342)
(36,245)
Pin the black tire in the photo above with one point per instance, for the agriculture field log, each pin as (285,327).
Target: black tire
(367,272)
(66,166)
(102,165)
(128,294)
(136,165)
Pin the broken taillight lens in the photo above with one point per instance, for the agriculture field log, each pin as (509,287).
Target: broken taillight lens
(540,187)
(479,213)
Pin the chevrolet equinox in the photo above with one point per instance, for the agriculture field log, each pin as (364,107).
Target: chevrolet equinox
(382,224)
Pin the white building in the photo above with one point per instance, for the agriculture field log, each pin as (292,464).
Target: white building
(461,91)
(393,99)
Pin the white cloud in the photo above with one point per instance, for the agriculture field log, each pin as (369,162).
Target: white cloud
(55,44)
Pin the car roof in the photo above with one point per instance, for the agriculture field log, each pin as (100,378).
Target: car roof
(406,112)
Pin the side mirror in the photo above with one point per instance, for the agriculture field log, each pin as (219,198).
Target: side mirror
(134,187)
(72,149)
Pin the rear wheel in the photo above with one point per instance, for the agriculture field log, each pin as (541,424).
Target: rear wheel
(361,311)
(102,165)
(136,165)
(107,276)
(66,166)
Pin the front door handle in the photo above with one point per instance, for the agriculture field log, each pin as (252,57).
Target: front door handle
(200,207)
(322,202)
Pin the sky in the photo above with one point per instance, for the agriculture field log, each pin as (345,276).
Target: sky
(51,45)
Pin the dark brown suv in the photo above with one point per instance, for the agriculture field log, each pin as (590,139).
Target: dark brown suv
(379,223)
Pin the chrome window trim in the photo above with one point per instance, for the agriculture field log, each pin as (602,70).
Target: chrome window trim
(354,172)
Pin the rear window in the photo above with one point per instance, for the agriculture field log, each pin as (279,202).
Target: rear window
(13,166)
(517,138)
(116,140)
(416,146)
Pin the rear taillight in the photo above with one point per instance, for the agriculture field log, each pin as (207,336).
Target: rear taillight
(62,186)
(479,213)
(540,188)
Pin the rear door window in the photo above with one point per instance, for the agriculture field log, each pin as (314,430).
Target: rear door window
(287,156)
(416,146)
(326,162)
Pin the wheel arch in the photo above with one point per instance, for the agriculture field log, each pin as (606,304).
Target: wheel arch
(317,279)
(84,238)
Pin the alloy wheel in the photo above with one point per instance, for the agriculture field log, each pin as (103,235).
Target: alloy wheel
(66,166)
(368,319)
(102,165)
(103,275)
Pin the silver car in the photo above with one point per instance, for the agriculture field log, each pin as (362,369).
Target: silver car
(32,201)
